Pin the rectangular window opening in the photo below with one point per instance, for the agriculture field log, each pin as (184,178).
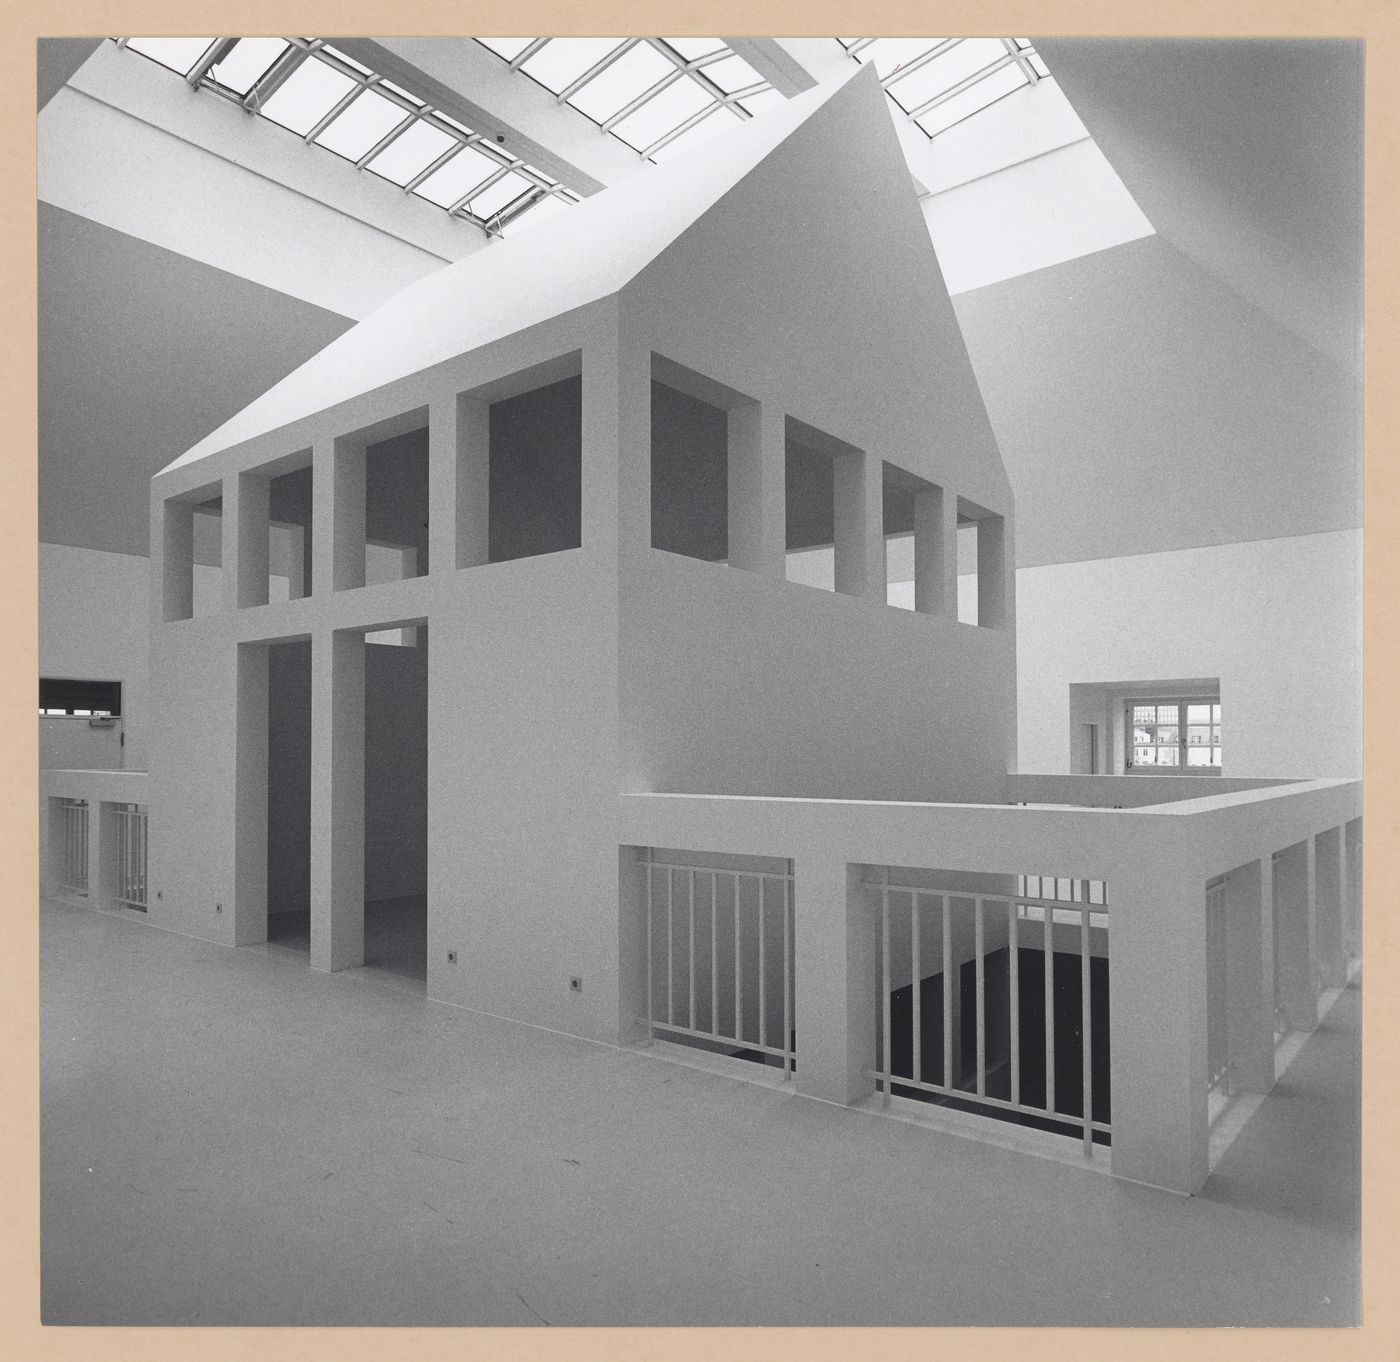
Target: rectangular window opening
(192,546)
(396,508)
(689,475)
(982,570)
(1173,736)
(289,535)
(520,465)
(810,512)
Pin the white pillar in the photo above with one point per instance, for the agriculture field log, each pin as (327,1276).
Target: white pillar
(757,488)
(250,796)
(836,965)
(1329,925)
(337,800)
(1157,1011)
(1250,986)
(1294,922)
(858,486)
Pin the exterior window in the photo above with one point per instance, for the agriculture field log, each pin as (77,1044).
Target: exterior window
(1178,736)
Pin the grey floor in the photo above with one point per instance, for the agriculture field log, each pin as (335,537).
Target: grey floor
(396,935)
(229,1138)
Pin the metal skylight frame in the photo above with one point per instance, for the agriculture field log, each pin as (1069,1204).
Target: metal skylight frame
(538,187)
(683,68)
(1018,56)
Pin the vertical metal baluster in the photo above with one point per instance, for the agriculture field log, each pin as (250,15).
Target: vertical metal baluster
(691,957)
(738,968)
(670,945)
(1014,962)
(762,960)
(714,954)
(981,998)
(651,960)
(947,992)
(787,976)
(885,980)
(1048,941)
(916,955)
(1086,1027)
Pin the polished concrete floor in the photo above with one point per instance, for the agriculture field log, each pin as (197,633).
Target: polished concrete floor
(230,1138)
(396,935)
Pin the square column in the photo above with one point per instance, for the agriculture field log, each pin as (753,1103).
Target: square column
(858,484)
(1328,939)
(935,552)
(1352,881)
(443,471)
(337,800)
(836,961)
(1294,924)
(1157,1020)
(1249,945)
(467,490)
(757,488)
(247,539)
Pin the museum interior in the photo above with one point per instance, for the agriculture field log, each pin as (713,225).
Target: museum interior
(700,680)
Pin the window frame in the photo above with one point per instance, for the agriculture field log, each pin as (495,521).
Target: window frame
(1182,745)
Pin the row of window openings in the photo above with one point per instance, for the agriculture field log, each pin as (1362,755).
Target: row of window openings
(533,505)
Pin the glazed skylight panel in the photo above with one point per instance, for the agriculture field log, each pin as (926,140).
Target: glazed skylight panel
(330,100)
(656,95)
(937,82)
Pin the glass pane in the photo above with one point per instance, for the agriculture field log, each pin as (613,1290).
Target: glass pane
(733,73)
(368,120)
(1197,714)
(509,48)
(506,190)
(467,169)
(961,106)
(177,54)
(663,114)
(944,72)
(1038,64)
(1215,714)
(1141,734)
(764,99)
(1144,756)
(1215,736)
(1167,756)
(720,121)
(692,49)
(1198,756)
(628,77)
(1167,714)
(349,61)
(1167,734)
(1062,890)
(1144,714)
(1215,756)
(308,95)
(561,61)
(889,54)
(248,61)
(411,152)
(1198,733)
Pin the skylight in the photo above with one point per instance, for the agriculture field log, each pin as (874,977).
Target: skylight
(658,95)
(330,100)
(937,82)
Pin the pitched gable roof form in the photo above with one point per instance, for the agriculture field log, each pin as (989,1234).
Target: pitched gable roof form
(581,256)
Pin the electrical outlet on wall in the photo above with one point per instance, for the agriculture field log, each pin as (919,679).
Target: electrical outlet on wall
(575,983)
(451,957)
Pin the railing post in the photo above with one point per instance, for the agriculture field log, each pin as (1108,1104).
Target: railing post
(836,962)
(1295,923)
(1329,926)
(1250,984)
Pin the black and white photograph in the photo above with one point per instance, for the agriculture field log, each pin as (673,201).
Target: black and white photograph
(695,681)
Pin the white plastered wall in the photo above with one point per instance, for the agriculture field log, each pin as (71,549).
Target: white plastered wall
(1277,620)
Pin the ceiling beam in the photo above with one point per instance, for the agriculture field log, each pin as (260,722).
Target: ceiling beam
(465,80)
(58,59)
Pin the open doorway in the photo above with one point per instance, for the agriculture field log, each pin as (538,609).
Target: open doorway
(396,801)
(288,821)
